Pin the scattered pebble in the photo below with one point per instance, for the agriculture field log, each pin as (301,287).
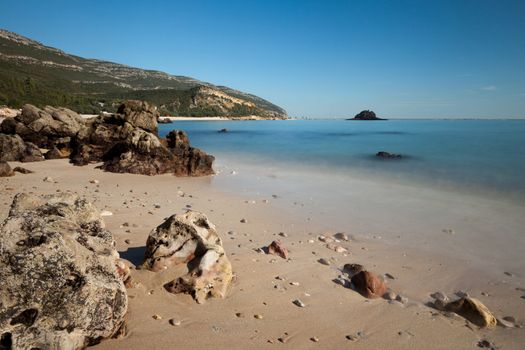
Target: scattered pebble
(390,295)
(282,234)
(96,182)
(314,339)
(294,283)
(239,314)
(402,299)
(258,316)
(387,275)
(127,241)
(485,344)
(341,236)
(504,323)
(48,179)
(244,221)
(299,303)
(323,261)
(174,322)
(106,213)
(439,296)
(508,273)
(157,317)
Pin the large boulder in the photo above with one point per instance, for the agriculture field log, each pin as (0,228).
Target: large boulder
(189,161)
(13,148)
(60,284)
(5,170)
(190,238)
(140,114)
(44,127)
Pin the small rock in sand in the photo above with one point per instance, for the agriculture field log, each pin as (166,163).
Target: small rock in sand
(341,236)
(510,274)
(239,314)
(94,182)
(387,275)
(244,221)
(390,295)
(439,296)
(106,213)
(369,285)
(277,248)
(282,234)
(127,241)
(299,303)
(402,299)
(294,283)
(174,322)
(352,269)
(314,339)
(156,317)
(258,316)
(485,344)
(323,261)
(48,179)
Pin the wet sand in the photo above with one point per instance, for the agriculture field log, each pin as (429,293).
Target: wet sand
(427,240)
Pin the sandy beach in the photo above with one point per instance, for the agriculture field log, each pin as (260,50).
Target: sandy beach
(425,240)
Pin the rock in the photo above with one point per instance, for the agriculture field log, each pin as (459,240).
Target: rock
(223,131)
(174,322)
(54,153)
(402,299)
(277,248)
(141,114)
(473,310)
(190,238)
(439,296)
(21,170)
(48,179)
(352,269)
(386,155)
(341,236)
(13,148)
(5,170)
(366,115)
(504,323)
(61,289)
(106,213)
(299,303)
(244,221)
(485,344)
(390,295)
(369,285)
(164,120)
(314,339)
(323,261)
(336,248)
(44,127)
(258,316)
(156,317)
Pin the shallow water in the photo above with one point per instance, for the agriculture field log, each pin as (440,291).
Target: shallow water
(481,156)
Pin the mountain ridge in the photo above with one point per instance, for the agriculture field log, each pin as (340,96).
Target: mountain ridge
(31,72)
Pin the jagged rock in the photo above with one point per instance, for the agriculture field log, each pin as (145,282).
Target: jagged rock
(369,285)
(60,287)
(13,148)
(190,238)
(139,114)
(473,310)
(366,115)
(44,126)
(387,155)
(277,248)
(5,170)
(54,153)
(21,170)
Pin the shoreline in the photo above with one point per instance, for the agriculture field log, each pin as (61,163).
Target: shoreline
(378,239)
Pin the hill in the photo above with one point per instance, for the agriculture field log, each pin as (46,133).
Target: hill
(31,72)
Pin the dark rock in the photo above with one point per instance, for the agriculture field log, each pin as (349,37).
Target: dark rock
(5,170)
(369,285)
(13,148)
(223,131)
(366,115)
(54,153)
(473,310)
(386,155)
(60,287)
(21,170)
(164,121)
(352,269)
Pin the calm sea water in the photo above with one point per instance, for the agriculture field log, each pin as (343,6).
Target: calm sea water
(468,155)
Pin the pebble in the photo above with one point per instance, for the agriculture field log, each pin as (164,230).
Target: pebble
(402,299)
(157,317)
(174,322)
(239,314)
(352,337)
(258,316)
(314,339)
(439,296)
(504,323)
(244,221)
(94,182)
(157,206)
(341,236)
(282,234)
(485,344)
(48,179)
(299,303)
(390,295)
(323,261)
(462,294)
(106,213)
(387,275)
(127,241)
(508,273)
(294,283)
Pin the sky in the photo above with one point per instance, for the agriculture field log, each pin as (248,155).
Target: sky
(318,59)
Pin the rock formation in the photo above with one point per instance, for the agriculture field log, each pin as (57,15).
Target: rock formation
(366,115)
(60,286)
(13,148)
(190,238)
(5,170)
(387,155)
(369,285)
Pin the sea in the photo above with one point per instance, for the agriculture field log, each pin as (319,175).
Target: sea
(481,157)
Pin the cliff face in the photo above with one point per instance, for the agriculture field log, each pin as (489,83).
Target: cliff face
(31,72)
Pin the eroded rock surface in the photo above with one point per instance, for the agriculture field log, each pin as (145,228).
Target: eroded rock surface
(60,286)
(190,238)
(14,149)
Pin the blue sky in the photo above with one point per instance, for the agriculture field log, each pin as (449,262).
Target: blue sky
(410,59)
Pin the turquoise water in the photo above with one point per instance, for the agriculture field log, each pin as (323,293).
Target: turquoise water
(469,155)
